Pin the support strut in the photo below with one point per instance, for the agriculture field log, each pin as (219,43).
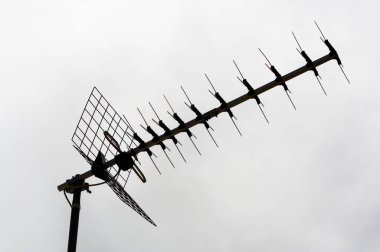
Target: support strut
(78,185)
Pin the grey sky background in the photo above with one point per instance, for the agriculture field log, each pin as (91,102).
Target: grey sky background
(308,181)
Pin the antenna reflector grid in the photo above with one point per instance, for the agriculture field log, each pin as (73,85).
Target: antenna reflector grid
(97,117)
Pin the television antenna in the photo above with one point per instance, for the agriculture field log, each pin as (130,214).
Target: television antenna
(107,141)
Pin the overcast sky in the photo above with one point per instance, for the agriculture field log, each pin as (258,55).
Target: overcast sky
(308,181)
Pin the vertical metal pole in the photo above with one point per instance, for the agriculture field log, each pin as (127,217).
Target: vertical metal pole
(74,221)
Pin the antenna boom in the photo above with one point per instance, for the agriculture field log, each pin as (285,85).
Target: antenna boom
(212,113)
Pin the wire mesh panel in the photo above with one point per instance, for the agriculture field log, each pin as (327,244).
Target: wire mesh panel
(126,198)
(97,117)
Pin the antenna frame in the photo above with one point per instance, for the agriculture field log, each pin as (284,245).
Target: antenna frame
(77,184)
(211,113)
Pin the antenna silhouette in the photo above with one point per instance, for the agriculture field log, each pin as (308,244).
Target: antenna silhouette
(107,141)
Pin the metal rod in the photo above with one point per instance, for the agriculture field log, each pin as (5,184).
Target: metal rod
(195,146)
(212,138)
(131,137)
(194,135)
(263,113)
(130,126)
(154,111)
(210,83)
(166,147)
(265,58)
(238,70)
(236,126)
(211,93)
(320,30)
(341,68)
(290,100)
(155,165)
(179,142)
(321,85)
(169,104)
(129,174)
(144,128)
(297,41)
(180,153)
(168,158)
(74,219)
(126,133)
(186,95)
(142,117)
(155,122)
(262,104)
(187,105)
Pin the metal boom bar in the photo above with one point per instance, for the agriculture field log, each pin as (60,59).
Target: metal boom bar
(214,112)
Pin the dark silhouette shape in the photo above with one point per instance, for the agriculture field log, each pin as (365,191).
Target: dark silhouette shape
(333,52)
(155,137)
(309,63)
(223,104)
(101,136)
(199,117)
(182,125)
(279,78)
(251,91)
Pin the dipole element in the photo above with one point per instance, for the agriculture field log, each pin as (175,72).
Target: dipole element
(251,91)
(278,78)
(309,63)
(199,117)
(167,131)
(223,104)
(332,52)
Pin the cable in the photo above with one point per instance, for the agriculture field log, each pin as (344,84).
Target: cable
(97,184)
(86,186)
(101,183)
(67,198)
